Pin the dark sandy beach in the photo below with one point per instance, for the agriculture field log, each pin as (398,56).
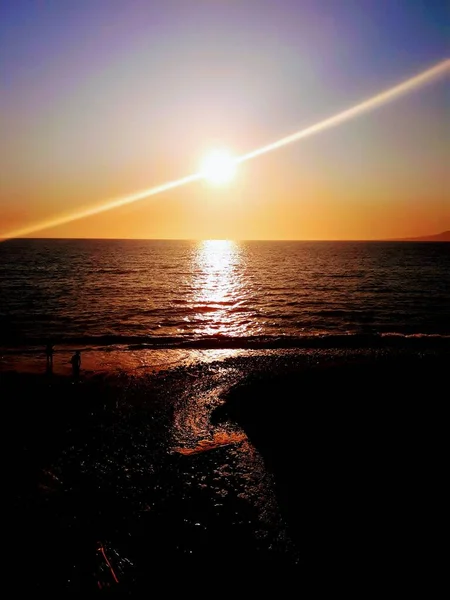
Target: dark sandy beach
(317,463)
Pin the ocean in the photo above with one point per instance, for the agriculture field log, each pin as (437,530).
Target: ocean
(222,294)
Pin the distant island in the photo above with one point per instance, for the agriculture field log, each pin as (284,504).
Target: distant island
(438,237)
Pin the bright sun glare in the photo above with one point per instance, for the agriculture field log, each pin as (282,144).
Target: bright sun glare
(218,167)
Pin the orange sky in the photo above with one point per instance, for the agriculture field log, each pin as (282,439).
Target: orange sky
(315,196)
(84,123)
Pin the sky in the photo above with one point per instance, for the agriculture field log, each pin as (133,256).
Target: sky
(103,98)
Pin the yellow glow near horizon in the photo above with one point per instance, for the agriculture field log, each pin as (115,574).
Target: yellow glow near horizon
(218,167)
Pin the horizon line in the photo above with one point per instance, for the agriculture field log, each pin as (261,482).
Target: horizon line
(206,239)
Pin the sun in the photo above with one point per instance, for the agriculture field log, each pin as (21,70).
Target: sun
(218,167)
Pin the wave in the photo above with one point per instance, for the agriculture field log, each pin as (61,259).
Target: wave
(216,342)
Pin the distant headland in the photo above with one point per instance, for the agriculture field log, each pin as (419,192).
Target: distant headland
(438,237)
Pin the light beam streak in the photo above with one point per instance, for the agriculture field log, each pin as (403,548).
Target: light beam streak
(99,208)
(376,101)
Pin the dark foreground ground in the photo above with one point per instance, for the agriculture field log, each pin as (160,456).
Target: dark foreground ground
(124,483)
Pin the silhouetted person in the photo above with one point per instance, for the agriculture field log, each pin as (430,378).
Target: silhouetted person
(76,364)
(49,354)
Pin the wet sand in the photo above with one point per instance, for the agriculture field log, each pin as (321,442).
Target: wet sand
(311,463)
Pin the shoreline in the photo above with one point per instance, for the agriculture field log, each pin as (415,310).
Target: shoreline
(115,358)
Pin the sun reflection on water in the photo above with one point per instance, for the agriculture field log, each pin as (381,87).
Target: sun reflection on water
(218,286)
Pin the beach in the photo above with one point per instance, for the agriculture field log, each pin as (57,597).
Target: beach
(301,462)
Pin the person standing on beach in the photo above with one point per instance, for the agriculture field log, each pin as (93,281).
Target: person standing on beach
(76,365)
(49,350)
